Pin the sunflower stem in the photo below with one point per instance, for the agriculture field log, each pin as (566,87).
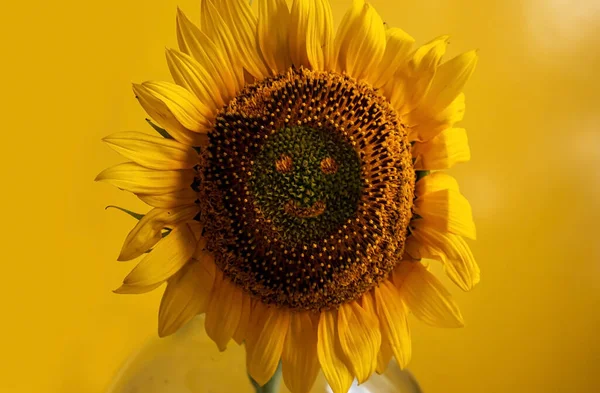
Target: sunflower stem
(272,386)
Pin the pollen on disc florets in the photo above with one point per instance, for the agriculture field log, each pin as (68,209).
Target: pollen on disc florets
(308,187)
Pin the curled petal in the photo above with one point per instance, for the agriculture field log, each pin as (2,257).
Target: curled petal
(435,182)
(428,300)
(446,211)
(168,256)
(452,250)
(445,150)
(449,81)
(147,232)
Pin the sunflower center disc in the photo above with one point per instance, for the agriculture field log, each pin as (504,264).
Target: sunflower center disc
(306,183)
(309,186)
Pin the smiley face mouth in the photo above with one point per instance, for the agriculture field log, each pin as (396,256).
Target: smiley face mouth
(292,208)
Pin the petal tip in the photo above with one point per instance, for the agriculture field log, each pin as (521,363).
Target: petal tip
(124,289)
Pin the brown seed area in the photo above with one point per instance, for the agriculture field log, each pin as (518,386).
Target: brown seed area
(286,252)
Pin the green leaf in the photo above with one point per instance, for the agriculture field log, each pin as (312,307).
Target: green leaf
(135,215)
(161,131)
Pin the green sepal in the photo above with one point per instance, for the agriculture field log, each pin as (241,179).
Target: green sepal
(421,174)
(135,215)
(161,131)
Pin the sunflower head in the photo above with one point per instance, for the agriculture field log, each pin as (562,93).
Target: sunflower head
(295,187)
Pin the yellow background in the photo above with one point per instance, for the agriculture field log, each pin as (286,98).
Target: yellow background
(534,183)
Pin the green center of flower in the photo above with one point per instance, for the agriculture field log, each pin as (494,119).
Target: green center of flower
(306,182)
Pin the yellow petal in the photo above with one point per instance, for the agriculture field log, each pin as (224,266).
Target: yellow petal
(385,352)
(450,147)
(427,298)
(187,295)
(384,357)
(452,250)
(434,182)
(360,339)
(243,26)
(413,247)
(240,332)
(151,151)
(135,290)
(187,196)
(167,257)
(450,78)
(344,32)
(397,51)
(188,73)
(299,358)
(419,74)
(192,41)
(197,228)
(137,179)
(297,32)
(446,211)
(162,115)
(424,63)
(224,311)
(147,231)
(254,326)
(273,21)
(265,343)
(403,269)
(423,125)
(392,317)
(215,27)
(397,89)
(185,107)
(362,49)
(311,34)
(330,354)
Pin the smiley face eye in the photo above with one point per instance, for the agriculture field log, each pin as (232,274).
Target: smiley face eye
(329,166)
(284,164)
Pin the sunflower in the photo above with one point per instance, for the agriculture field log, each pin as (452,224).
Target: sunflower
(296,189)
